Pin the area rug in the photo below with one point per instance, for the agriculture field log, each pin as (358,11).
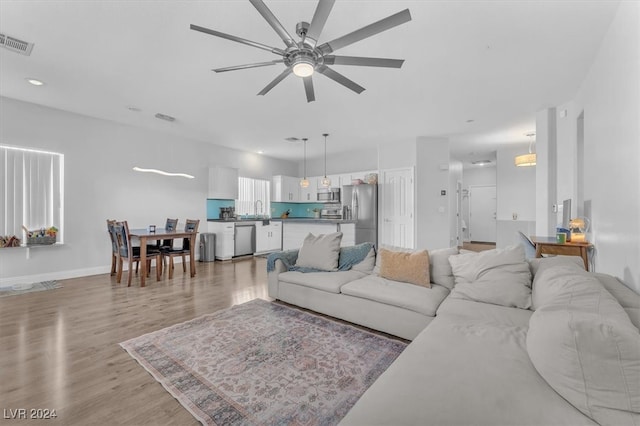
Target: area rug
(28,288)
(263,363)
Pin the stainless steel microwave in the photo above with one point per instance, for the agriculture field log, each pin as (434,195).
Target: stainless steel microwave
(329,195)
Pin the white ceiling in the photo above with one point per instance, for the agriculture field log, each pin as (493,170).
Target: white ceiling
(493,62)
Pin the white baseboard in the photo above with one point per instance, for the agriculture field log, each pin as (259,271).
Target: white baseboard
(62,275)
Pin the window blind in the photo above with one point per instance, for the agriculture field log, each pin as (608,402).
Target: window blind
(249,192)
(31,190)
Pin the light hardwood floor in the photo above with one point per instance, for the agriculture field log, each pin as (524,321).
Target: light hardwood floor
(60,348)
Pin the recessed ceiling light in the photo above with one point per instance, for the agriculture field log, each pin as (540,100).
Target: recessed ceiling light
(35,82)
(481,162)
(260,152)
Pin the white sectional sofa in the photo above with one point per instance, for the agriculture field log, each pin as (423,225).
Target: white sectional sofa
(569,355)
(362,297)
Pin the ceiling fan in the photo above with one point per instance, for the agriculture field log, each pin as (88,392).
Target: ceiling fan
(304,57)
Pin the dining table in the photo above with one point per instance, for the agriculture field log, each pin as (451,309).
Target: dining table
(145,235)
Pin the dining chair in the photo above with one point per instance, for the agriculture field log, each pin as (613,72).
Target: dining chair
(191,225)
(132,254)
(170,225)
(114,245)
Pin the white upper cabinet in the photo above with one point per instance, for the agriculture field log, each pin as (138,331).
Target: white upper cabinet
(223,183)
(285,189)
(310,193)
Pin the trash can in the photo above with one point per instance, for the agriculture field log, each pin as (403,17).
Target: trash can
(207,247)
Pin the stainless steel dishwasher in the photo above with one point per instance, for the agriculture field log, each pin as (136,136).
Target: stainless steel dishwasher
(245,239)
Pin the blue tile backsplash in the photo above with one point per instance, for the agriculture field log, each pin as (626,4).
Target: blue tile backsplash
(297,209)
(213,207)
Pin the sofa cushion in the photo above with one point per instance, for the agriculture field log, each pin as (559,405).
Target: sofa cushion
(412,268)
(330,282)
(592,361)
(568,286)
(439,268)
(546,262)
(499,276)
(409,296)
(320,252)
(628,299)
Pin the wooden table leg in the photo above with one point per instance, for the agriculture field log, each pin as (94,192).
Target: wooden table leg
(192,261)
(583,253)
(143,259)
(538,250)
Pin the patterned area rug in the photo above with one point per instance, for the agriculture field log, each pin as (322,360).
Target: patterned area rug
(28,288)
(262,363)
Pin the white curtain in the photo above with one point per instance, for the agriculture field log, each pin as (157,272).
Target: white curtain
(251,190)
(31,191)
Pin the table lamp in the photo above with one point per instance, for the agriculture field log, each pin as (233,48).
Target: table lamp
(578,228)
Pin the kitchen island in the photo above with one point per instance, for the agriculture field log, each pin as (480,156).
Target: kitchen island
(278,234)
(294,230)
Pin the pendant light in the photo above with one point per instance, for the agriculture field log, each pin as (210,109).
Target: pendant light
(326,182)
(304,183)
(529,159)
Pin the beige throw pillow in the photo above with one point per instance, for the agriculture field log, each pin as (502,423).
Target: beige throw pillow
(320,252)
(406,267)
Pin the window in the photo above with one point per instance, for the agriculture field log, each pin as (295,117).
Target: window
(31,190)
(250,192)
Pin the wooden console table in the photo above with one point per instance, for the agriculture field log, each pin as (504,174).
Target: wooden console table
(549,245)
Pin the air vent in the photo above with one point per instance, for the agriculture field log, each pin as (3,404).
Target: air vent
(165,117)
(16,45)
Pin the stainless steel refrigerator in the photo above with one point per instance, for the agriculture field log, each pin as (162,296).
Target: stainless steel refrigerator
(362,202)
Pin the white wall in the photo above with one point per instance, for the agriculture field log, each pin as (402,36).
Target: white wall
(100,185)
(610,98)
(345,162)
(455,176)
(432,209)
(516,193)
(546,171)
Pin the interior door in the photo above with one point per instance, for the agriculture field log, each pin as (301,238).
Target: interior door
(396,195)
(482,213)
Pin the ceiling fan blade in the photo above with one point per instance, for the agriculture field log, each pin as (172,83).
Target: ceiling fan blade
(308,88)
(336,76)
(275,81)
(238,39)
(243,67)
(273,21)
(317,22)
(368,31)
(363,62)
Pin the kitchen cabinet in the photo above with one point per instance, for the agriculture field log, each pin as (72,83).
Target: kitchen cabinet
(285,189)
(268,237)
(335,181)
(225,238)
(223,183)
(310,193)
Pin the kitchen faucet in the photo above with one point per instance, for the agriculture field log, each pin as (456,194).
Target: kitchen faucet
(255,207)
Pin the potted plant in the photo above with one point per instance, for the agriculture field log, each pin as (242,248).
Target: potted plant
(316,213)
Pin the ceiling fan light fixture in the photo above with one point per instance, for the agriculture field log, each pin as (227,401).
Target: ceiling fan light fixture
(303,68)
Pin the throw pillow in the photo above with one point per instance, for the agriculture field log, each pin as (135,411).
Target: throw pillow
(354,255)
(439,267)
(591,360)
(320,252)
(499,276)
(545,262)
(405,267)
(367,264)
